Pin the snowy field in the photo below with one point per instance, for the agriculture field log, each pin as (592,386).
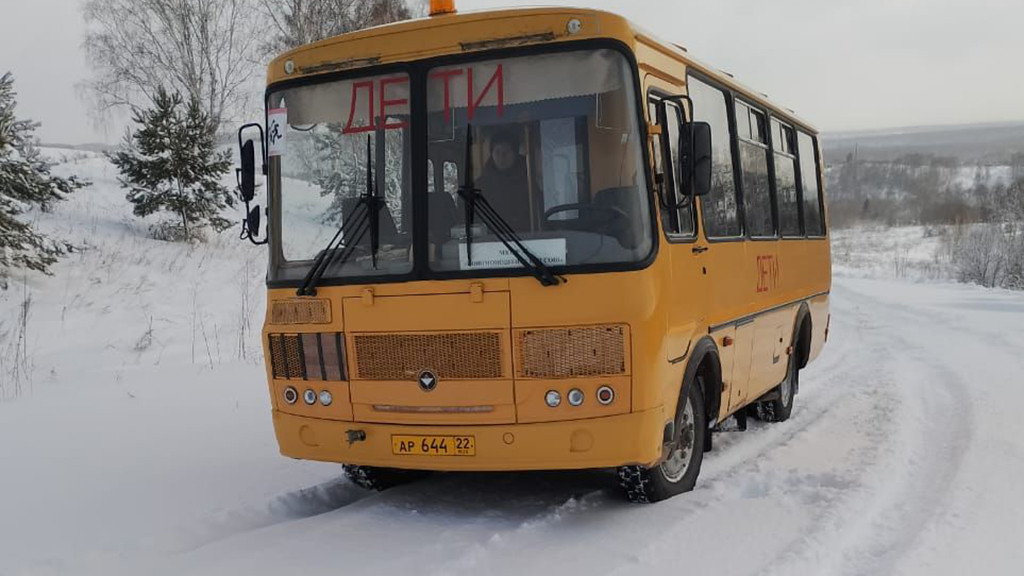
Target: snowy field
(911,253)
(135,438)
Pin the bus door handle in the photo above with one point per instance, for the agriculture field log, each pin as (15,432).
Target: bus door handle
(700,249)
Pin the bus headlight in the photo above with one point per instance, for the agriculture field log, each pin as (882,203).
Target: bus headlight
(553,398)
(309,397)
(326,398)
(575,397)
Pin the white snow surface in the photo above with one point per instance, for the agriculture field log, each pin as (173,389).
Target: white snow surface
(125,451)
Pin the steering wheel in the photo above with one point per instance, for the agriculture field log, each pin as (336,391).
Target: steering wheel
(613,211)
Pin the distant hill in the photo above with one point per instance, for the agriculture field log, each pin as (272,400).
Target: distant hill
(989,144)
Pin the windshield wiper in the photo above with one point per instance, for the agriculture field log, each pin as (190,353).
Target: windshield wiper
(475,201)
(364,217)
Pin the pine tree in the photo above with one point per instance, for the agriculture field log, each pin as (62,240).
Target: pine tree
(171,164)
(25,181)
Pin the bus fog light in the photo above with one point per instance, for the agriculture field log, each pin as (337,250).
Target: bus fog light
(553,398)
(309,397)
(575,397)
(605,395)
(291,395)
(326,398)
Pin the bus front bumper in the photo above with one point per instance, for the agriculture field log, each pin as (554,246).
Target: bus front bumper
(607,442)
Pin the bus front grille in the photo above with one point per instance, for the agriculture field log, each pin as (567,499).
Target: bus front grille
(308,356)
(571,352)
(449,355)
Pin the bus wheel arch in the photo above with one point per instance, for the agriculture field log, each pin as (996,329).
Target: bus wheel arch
(802,335)
(688,436)
(704,362)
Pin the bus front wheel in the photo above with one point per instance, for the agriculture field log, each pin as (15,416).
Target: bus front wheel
(678,470)
(374,478)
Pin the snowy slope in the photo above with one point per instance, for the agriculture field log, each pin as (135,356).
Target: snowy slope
(129,454)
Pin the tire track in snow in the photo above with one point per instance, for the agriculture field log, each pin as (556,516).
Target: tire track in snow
(872,528)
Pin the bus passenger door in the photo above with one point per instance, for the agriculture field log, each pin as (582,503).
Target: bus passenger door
(688,287)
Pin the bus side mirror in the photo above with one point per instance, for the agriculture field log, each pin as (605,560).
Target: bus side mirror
(246,176)
(247,173)
(252,220)
(702,161)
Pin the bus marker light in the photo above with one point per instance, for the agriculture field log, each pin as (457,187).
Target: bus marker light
(553,398)
(326,398)
(309,397)
(441,7)
(605,395)
(575,397)
(291,395)
(574,26)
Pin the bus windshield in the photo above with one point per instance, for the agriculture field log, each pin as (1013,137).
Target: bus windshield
(326,141)
(555,152)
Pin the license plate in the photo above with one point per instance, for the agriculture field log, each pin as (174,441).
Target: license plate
(433,445)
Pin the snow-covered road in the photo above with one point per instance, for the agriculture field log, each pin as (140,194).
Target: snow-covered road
(143,443)
(904,457)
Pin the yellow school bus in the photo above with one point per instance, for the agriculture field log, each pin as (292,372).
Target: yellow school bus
(529,239)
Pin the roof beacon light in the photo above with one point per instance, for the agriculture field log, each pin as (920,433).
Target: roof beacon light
(442,7)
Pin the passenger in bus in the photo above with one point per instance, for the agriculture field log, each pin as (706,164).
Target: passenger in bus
(505,181)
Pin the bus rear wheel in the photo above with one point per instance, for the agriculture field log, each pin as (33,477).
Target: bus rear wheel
(374,478)
(678,471)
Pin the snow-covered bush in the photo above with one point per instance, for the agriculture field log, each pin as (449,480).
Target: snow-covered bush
(979,254)
(171,164)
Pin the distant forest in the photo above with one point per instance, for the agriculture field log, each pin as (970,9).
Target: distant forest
(954,175)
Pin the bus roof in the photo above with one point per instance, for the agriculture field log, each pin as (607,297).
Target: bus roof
(466,32)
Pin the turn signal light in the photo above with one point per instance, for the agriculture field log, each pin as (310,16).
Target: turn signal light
(605,395)
(291,395)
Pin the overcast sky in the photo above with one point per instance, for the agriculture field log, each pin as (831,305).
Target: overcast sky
(842,64)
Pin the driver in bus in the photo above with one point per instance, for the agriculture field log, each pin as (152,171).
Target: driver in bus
(505,180)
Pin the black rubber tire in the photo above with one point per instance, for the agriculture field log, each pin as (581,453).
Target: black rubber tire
(780,409)
(379,479)
(643,485)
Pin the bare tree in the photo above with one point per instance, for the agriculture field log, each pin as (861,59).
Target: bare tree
(298,22)
(206,50)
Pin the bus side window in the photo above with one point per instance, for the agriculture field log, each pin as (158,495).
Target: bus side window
(654,111)
(757,199)
(788,203)
(810,191)
(720,207)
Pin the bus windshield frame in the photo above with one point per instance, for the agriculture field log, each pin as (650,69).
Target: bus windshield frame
(413,240)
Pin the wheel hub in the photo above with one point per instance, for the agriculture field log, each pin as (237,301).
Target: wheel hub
(677,462)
